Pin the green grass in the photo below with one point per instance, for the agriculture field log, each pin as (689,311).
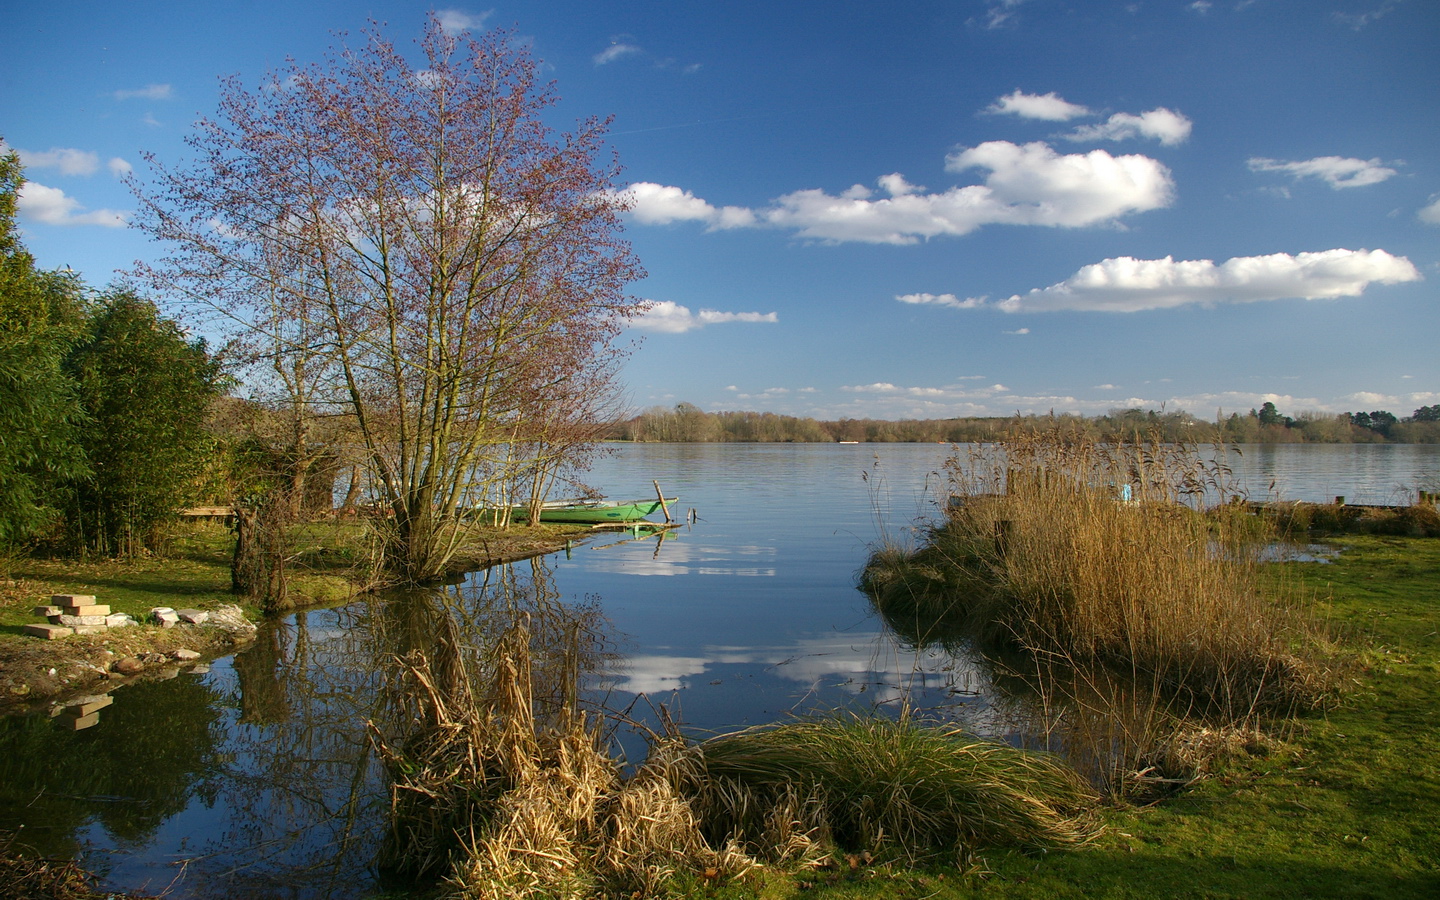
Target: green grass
(194,572)
(327,560)
(1349,808)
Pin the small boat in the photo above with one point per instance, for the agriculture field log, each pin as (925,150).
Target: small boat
(593,512)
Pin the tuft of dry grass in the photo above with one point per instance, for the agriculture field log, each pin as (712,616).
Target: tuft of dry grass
(506,796)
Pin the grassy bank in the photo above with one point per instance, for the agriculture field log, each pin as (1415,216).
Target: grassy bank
(326,567)
(1346,808)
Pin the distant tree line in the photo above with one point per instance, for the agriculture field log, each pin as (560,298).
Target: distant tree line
(686,422)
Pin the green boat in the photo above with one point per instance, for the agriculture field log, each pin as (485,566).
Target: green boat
(593,512)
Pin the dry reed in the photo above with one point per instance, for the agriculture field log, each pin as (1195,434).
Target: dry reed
(505,794)
(1089,575)
(507,797)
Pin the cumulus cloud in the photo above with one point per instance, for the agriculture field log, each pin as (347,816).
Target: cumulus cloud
(1339,172)
(67,160)
(669,317)
(658,204)
(148,92)
(51,206)
(1160,124)
(1047,107)
(617,50)
(1125,284)
(119,167)
(455,21)
(1430,215)
(1026,184)
(949,300)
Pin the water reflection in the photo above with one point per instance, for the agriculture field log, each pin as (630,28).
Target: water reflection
(155,753)
(672,555)
(258,778)
(259,775)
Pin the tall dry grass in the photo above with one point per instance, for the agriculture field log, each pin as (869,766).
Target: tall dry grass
(505,793)
(1131,620)
(1041,553)
(505,796)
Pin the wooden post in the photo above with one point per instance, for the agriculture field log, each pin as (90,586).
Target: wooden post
(663,507)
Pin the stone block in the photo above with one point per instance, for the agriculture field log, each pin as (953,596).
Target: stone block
(164,616)
(49,632)
(192,616)
(78,723)
(89,629)
(87,705)
(91,610)
(47,611)
(81,620)
(72,599)
(184,655)
(120,620)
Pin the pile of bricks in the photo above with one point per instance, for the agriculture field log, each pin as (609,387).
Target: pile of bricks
(81,713)
(80,614)
(76,614)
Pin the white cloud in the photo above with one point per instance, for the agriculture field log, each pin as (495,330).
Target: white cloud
(669,317)
(1358,21)
(69,161)
(949,300)
(454,21)
(148,92)
(1048,107)
(658,204)
(1125,284)
(1024,185)
(1430,215)
(1200,6)
(1339,172)
(1018,331)
(1161,124)
(1000,12)
(51,207)
(617,50)
(119,167)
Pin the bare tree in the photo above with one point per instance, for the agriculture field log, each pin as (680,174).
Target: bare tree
(411,246)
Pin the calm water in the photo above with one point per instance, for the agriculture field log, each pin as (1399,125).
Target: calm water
(256,778)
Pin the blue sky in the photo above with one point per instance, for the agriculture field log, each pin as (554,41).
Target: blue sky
(924,209)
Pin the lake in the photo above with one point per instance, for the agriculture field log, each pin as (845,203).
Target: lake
(256,777)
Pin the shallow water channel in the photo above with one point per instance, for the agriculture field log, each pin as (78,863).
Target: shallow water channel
(255,776)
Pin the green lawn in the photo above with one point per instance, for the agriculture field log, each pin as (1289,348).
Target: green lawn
(194,572)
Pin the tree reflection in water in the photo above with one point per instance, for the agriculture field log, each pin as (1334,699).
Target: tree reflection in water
(260,778)
(307,801)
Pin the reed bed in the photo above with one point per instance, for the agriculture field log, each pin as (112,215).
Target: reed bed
(1129,618)
(499,793)
(1042,553)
